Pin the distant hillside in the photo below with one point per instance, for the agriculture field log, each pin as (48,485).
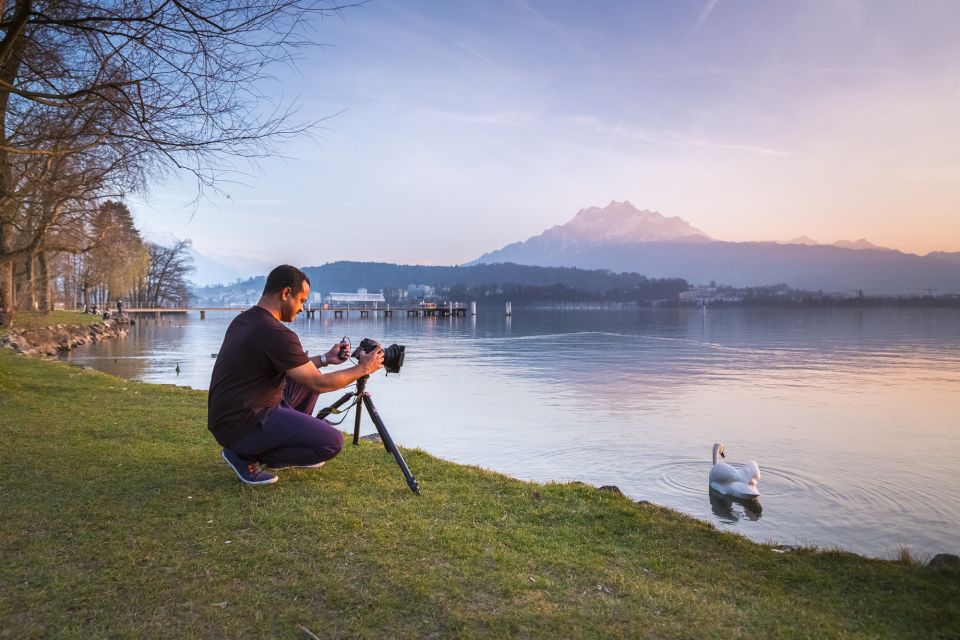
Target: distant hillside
(536,283)
(947,256)
(745,264)
(349,276)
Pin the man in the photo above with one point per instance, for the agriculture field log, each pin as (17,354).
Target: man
(264,386)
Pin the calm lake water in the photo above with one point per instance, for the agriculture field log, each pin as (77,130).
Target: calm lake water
(852,415)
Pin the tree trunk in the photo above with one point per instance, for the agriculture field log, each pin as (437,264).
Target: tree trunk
(6,278)
(11,46)
(31,283)
(44,290)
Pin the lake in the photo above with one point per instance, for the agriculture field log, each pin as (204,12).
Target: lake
(852,415)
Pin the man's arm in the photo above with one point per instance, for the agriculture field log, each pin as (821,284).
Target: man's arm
(310,377)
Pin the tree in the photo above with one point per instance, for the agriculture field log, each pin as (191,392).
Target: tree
(115,262)
(167,284)
(135,88)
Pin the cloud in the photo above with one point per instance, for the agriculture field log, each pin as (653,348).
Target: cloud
(476,54)
(505,118)
(707,10)
(557,31)
(669,138)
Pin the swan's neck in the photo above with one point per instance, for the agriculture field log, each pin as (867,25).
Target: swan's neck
(716,450)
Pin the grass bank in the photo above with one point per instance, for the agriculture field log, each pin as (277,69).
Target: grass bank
(122,521)
(32,319)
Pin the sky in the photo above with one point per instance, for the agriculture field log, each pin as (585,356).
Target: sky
(454,128)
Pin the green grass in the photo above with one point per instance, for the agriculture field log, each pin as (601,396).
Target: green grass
(31,319)
(122,521)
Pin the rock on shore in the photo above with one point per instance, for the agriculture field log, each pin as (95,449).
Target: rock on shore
(52,341)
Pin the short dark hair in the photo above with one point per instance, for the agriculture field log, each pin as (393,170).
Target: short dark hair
(285,276)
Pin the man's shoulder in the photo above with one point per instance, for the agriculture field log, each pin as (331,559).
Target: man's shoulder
(256,316)
(263,324)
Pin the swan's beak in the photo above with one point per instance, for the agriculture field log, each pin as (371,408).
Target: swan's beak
(723,455)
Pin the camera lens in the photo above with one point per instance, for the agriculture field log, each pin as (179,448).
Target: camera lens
(393,358)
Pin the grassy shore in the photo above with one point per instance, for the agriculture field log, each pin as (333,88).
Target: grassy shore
(30,319)
(122,521)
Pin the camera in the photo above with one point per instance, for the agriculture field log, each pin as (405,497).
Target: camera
(392,355)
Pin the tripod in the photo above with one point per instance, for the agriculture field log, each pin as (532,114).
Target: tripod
(364,400)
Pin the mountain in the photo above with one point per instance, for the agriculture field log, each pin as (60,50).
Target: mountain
(862,243)
(621,222)
(224,269)
(621,238)
(948,256)
(618,222)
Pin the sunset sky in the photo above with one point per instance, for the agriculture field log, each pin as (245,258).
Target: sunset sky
(459,127)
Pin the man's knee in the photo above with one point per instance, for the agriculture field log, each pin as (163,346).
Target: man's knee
(329,445)
(337,442)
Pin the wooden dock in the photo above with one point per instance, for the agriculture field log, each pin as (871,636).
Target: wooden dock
(447,310)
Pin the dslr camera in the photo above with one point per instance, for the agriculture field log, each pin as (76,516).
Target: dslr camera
(392,355)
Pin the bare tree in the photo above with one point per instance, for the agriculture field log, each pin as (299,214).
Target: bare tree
(167,284)
(146,86)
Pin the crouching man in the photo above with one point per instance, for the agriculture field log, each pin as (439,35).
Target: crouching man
(264,386)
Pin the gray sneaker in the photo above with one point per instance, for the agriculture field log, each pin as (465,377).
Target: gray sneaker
(248,472)
(284,465)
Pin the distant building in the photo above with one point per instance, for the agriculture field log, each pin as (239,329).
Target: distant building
(697,294)
(420,291)
(702,295)
(361,297)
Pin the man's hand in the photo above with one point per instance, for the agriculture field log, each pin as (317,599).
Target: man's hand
(370,362)
(309,375)
(333,356)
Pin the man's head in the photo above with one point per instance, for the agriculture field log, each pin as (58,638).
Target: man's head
(289,286)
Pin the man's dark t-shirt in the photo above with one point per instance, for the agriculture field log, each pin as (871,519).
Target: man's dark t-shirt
(249,373)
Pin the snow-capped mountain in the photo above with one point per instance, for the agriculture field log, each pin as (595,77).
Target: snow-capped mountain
(617,223)
(622,222)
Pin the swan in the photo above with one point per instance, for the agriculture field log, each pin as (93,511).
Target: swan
(731,481)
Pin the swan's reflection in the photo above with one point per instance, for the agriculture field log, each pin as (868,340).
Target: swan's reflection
(723,507)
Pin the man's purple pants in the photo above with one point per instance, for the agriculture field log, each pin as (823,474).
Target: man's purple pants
(288,434)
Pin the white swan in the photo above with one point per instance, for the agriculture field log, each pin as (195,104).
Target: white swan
(731,481)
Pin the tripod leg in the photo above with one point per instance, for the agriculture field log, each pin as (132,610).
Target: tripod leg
(356,420)
(388,443)
(361,387)
(336,405)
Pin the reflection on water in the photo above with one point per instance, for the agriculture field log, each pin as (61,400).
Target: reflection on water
(851,414)
(730,510)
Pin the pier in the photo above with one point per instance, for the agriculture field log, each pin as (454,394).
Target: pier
(447,310)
